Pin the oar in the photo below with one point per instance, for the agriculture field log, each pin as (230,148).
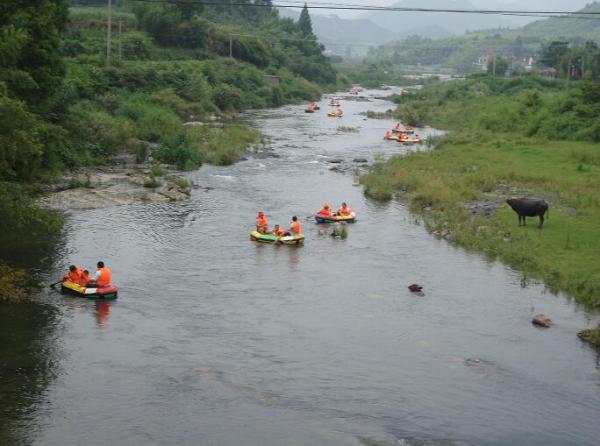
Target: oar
(56,283)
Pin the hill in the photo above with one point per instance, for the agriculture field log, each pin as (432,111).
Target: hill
(348,37)
(574,29)
(418,23)
(462,53)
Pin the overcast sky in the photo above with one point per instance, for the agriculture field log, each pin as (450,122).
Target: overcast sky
(559,5)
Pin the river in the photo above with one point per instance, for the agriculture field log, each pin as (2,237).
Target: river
(217,340)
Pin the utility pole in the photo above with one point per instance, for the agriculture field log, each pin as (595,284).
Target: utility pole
(120,46)
(230,46)
(108,31)
(494,66)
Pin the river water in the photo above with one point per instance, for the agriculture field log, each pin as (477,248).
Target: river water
(216,340)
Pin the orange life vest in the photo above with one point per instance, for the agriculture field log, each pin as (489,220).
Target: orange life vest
(278,232)
(344,210)
(261,222)
(74,276)
(295,227)
(324,211)
(84,279)
(104,278)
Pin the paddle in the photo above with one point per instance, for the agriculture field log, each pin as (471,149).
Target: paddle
(56,283)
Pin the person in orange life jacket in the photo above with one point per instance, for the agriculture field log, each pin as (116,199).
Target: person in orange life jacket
(295,227)
(388,135)
(325,210)
(344,210)
(102,276)
(261,223)
(277,231)
(85,278)
(74,274)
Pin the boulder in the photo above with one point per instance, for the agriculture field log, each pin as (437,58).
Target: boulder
(140,179)
(541,320)
(174,195)
(153,197)
(415,288)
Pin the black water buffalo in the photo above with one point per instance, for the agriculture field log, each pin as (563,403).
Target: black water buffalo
(529,207)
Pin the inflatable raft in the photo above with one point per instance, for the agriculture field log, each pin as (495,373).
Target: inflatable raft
(392,138)
(335,218)
(409,140)
(335,115)
(270,238)
(105,292)
(406,130)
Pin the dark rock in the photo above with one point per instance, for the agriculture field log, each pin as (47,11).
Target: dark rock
(360,160)
(336,161)
(415,288)
(541,320)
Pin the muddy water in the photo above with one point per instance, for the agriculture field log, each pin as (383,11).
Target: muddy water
(216,340)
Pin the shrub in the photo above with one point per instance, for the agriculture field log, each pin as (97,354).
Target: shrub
(90,125)
(180,150)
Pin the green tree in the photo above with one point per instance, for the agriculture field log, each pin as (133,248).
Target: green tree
(30,61)
(552,54)
(304,22)
(497,66)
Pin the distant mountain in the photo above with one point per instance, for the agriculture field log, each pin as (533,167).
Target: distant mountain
(567,28)
(407,23)
(333,30)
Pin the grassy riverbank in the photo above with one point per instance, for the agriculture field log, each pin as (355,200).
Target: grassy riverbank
(498,147)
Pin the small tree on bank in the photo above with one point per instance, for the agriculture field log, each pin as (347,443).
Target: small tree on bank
(497,66)
(304,22)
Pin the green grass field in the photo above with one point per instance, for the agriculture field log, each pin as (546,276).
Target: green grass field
(473,162)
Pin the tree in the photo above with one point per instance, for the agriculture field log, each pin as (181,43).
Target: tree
(304,22)
(552,54)
(497,66)
(31,65)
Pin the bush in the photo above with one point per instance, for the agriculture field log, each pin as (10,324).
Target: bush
(180,150)
(152,122)
(93,127)
(15,284)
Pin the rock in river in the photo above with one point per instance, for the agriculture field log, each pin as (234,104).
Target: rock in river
(153,197)
(541,320)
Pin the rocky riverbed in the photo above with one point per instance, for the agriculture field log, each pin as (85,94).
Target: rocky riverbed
(123,183)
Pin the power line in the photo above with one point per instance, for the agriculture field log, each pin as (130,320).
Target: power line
(290,4)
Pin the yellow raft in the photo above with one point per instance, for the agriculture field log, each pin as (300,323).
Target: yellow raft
(297,239)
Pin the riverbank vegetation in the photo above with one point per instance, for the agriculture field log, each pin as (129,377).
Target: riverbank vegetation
(508,137)
(65,104)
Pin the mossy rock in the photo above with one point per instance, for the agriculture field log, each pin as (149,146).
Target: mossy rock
(15,284)
(590,335)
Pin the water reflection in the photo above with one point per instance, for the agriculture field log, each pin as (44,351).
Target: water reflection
(28,364)
(102,313)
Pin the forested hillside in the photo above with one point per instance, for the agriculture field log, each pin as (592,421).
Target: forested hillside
(64,103)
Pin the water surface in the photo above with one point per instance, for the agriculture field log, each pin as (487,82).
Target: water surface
(216,340)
